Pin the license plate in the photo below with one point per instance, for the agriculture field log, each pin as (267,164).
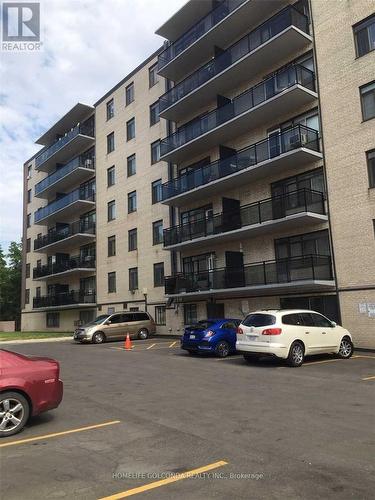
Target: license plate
(192,336)
(252,337)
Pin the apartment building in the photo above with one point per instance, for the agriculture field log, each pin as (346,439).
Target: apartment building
(235,166)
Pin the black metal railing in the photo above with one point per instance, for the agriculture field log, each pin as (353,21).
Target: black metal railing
(76,262)
(78,162)
(292,75)
(271,272)
(64,201)
(275,208)
(65,299)
(77,227)
(82,128)
(249,43)
(266,149)
(198,30)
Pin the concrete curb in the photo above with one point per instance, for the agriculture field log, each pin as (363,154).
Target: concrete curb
(34,341)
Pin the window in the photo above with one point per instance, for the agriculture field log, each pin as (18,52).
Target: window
(316,243)
(27,270)
(133,278)
(313,179)
(307,319)
(160,315)
(37,291)
(132,240)
(131,165)
(110,109)
(27,296)
(156,191)
(130,129)
(190,314)
(132,202)
(28,244)
(154,113)
(259,319)
(111,210)
(29,169)
(368,101)
(159,274)
(110,142)
(117,319)
(111,282)
(134,309)
(157,232)
(292,319)
(110,176)
(129,94)
(155,152)
(321,321)
(364,34)
(373,223)
(53,320)
(371,167)
(324,304)
(111,246)
(153,75)
(28,220)
(29,196)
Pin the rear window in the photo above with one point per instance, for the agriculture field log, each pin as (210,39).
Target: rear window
(202,325)
(259,320)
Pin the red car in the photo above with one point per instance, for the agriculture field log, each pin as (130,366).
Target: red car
(28,386)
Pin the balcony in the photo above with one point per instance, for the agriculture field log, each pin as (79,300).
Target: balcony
(279,38)
(74,142)
(289,211)
(76,171)
(288,90)
(291,148)
(68,300)
(77,265)
(79,200)
(71,236)
(297,274)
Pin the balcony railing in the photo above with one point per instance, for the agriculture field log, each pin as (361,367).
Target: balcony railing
(275,208)
(198,30)
(77,227)
(65,299)
(84,129)
(64,201)
(271,272)
(267,149)
(78,162)
(249,43)
(292,75)
(70,264)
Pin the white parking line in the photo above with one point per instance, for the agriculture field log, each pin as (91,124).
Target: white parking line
(151,346)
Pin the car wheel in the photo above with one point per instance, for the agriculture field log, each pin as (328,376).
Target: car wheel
(14,412)
(250,358)
(143,334)
(222,349)
(296,354)
(98,338)
(346,348)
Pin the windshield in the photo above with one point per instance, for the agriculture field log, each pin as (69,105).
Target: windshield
(98,320)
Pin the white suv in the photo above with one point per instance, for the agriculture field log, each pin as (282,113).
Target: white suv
(291,334)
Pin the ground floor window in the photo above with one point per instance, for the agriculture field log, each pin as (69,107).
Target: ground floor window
(53,320)
(86,316)
(324,304)
(160,315)
(190,314)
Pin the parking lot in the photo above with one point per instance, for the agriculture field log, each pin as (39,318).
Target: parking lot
(156,423)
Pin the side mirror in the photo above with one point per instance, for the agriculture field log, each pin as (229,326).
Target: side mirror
(333,324)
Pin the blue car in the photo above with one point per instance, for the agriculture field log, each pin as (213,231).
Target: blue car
(217,336)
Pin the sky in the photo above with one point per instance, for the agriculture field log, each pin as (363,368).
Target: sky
(88,47)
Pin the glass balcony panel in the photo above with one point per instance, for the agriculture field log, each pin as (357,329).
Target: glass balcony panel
(64,201)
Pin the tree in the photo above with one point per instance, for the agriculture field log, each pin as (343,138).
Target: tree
(10,283)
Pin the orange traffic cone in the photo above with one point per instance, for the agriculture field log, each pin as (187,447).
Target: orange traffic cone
(128,343)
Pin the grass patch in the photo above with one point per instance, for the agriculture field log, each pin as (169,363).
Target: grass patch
(4,336)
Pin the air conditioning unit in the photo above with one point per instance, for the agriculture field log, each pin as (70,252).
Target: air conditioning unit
(295,141)
(28,177)
(88,163)
(304,138)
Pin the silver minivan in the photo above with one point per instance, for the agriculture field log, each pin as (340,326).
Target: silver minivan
(116,326)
